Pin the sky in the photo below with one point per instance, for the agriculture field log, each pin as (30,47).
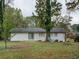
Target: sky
(28,6)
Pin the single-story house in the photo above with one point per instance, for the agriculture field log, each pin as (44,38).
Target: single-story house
(36,34)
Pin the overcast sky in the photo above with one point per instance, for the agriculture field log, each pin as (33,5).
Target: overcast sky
(28,6)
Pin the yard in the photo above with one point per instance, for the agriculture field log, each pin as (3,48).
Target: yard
(39,50)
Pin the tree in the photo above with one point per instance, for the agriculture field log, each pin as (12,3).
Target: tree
(29,21)
(2,10)
(75,27)
(62,22)
(48,19)
(35,20)
(1,16)
(13,19)
(46,9)
(56,12)
(10,18)
(72,5)
(43,10)
(56,8)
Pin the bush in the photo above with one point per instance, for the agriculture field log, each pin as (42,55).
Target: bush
(77,39)
(56,41)
(60,41)
(39,41)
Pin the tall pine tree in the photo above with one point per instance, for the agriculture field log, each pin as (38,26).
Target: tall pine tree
(48,19)
(43,10)
(1,13)
(1,16)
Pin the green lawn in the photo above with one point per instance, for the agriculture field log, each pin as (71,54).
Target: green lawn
(39,50)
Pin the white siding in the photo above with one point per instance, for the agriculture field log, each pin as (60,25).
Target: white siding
(58,36)
(39,36)
(19,37)
(24,37)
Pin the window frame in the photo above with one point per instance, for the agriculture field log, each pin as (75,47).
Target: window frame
(30,35)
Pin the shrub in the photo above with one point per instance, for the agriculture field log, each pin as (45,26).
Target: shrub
(39,40)
(60,41)
(77,39)
(56,41)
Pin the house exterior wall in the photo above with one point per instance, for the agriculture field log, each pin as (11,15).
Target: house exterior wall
(19,36)
(40,36)
(37,36)
(57,36)
(24,37)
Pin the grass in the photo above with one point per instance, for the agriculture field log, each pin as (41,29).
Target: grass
(40,50)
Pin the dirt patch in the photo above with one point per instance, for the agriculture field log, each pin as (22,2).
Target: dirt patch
(20,46)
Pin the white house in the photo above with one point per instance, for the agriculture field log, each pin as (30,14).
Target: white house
(58,34)
(36,34)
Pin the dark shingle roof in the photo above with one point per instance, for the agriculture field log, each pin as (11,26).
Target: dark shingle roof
(23,30)
(57,30)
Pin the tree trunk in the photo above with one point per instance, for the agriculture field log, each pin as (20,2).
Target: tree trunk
(48,19)
(65,37)
(47,36)
(5,43)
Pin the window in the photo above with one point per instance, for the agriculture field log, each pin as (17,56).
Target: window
(31,35)
(55,34)
(41,34)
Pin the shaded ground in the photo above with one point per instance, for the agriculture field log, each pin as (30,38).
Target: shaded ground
(19,46)
(40,50)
